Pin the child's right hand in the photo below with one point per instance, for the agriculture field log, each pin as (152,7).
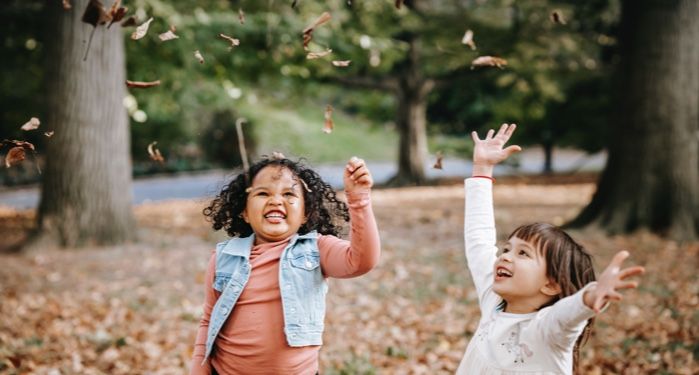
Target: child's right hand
(357,176)
(489,151)
(611,280)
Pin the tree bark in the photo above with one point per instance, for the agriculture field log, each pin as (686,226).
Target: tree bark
(652,175)
(411,118)
(86,188)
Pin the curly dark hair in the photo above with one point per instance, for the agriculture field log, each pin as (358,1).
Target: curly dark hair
(324,212)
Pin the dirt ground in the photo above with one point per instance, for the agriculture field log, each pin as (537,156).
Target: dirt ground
(134,309)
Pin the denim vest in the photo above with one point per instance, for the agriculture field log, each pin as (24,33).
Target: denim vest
(301,283)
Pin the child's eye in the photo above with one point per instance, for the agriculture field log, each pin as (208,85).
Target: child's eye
(505,250)
(261,194)
(522,252)
(290,194)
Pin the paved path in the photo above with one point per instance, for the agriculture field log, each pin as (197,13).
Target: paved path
(202,185)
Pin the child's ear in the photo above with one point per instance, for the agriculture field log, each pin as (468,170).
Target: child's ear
(244,215)
(551,288)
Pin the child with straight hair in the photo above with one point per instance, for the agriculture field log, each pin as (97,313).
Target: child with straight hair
(264,302)
(539,296)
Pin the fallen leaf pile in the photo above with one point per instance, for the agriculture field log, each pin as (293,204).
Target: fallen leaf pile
(135,308)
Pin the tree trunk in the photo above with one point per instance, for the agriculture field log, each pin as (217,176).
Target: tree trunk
(86,188)
(411,118)
(548,158)
(652,175)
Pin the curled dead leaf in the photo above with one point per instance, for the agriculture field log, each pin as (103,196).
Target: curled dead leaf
(317,55)
(95,14)
(488,61)
(168,35)
(329,125)
(32,124)
(398,3)
(142,85)
(468,39)
(66,4)
(14,156)
(131,21)
(154,153)
(141,31)
(438,163)
(241,16)
(116,12)
(278,155)
(199,57)
(308,31)
(233,41)
(48,134)
(557,17)
(341,63)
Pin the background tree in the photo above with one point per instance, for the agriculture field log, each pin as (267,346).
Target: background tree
(86,187)
(651,176)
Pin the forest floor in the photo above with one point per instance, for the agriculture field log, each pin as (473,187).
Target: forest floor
(134,309)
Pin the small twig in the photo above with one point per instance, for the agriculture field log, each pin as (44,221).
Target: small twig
(241,145)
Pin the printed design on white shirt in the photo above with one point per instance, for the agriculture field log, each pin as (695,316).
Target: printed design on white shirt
(483,330)
(513,346)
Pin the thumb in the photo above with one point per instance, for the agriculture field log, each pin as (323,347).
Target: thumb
(512,149)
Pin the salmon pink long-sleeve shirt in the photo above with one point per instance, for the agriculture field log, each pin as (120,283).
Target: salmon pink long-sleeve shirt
(252,339)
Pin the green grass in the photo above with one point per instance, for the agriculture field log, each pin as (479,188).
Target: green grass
(295,129)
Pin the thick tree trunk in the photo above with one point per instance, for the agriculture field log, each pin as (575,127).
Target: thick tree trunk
(652,176)
(86,188)
(411,118)
(548,158)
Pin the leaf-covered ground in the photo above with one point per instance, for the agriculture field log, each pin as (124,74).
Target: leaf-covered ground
(134,309)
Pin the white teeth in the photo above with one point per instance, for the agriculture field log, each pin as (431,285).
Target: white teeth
(504,272)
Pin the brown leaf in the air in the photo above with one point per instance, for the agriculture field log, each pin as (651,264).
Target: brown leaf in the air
(131,21)
(317,55)
(398,3)
(468,39)
(241,16)
(141,30)
(154,153)
(142,85)
(329,125)
(116,12)
(32,124)
(438,163)
(488,61)
(557,17)
(95,14)
(199,57)
(66,4)
(48,134)
(341,63)
(14,156)
(233,41)
(168,35)
(308,31)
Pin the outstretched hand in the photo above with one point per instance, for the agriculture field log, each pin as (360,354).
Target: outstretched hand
(489,151)
(357,176)
(611,280)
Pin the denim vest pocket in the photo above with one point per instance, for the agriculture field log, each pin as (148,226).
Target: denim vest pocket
(306,261)
(221,279)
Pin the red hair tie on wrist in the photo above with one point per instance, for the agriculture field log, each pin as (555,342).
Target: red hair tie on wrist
(488,177)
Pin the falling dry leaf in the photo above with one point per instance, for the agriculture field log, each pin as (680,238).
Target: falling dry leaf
(488,61)
(233,41)
(438,163)
(328,127)
(49,134)
(168,35)
(199,57)
(241,16)
(557,17)
(278,155)
(14,156)
(66,4)
(141,30)
(142,85)
(398,3)
(94,14)
(317,55)
(308,31)
(116,12)
(154,153)
(341,63)
(468,39)
(32,124)
(131,21)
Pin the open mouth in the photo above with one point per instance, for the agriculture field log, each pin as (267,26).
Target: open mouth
(275,215)
(503,272)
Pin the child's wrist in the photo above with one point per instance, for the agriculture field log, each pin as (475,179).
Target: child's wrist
(482,171)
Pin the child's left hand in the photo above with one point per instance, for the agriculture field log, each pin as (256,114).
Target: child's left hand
(611,280)
(357,176)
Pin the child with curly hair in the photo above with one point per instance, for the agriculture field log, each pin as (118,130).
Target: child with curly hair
(264,305)
(539,296)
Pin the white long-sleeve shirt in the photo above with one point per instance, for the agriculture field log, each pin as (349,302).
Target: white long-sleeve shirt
(536,343)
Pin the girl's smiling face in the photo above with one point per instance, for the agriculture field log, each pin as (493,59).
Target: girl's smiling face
(520,277)
(275,206)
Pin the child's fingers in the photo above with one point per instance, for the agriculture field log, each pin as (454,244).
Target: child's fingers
(631,271)
(512,149)
(627,285)
(489,135)
(510,130)
(503,130)
(474,136)
(354,163)
(619,259)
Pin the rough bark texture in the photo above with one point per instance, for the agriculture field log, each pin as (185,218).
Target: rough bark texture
(411,118)
(652,176)
(86,188)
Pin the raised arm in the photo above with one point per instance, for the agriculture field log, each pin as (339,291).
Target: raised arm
(612,279)
(344,259)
